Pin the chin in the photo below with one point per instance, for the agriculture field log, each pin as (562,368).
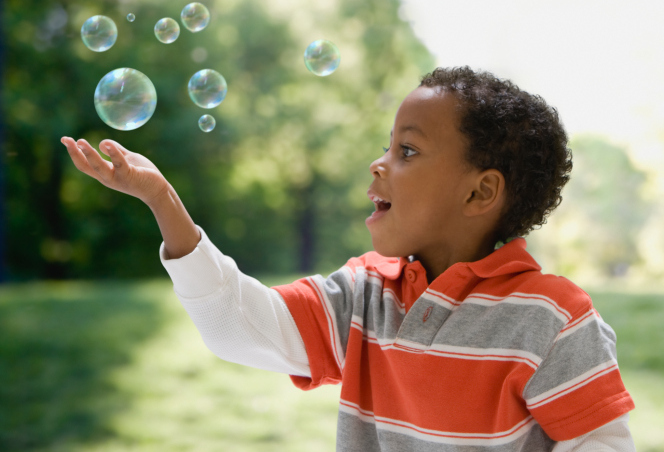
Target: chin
(386,249)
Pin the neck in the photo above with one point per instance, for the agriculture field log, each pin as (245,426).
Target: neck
(437,260)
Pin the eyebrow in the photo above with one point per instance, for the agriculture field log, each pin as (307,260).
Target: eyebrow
(409,128)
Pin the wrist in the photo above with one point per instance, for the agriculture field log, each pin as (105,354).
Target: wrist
(177,228)
(163,200)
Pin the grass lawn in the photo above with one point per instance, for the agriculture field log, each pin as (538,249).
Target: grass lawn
(118,366)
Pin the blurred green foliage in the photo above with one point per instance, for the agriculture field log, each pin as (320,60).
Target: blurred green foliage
(606,195)
(279,184)
(595,233)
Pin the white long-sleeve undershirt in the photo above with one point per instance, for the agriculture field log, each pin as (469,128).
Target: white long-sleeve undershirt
(239,319)
(245,322)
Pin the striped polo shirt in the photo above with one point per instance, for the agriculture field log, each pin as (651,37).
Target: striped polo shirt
(492,355)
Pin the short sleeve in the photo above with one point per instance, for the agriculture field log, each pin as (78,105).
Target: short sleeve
(578,387)
(322,309)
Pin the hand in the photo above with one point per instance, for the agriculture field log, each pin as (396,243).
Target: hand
(127,172)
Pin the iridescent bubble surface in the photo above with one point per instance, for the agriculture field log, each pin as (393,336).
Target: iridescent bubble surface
(167,30)
(195,17)
(125,99)
(322,57)
(131,17)
(99,33)
(207,88)
(206,123)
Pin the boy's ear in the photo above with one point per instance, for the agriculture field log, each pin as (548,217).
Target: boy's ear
(487,193)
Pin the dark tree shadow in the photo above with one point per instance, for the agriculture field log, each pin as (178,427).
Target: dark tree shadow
(59,342)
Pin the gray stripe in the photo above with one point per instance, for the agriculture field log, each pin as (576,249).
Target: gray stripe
(530,328)
(341,299)
(356,435)
(589,346)
(514,327)
(380,315)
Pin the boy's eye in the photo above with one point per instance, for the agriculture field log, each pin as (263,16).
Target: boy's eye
(408,152)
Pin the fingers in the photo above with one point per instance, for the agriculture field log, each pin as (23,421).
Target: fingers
(103,168)
(103,146)
(116,152)
(77,156)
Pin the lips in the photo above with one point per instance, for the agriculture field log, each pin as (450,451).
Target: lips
(382,206)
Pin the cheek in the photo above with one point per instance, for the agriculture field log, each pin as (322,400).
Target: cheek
(435,203)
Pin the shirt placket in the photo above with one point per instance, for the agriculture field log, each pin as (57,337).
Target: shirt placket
(430,310)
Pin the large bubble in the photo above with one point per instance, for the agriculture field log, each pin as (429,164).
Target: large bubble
(99,33)
(207,123)
(207,88)
(195,17)
(125,99)
(322,57)
(167,30)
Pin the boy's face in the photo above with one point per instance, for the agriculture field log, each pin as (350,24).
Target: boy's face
(421,182)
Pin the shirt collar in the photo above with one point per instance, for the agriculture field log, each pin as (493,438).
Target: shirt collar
(509,258)
(391,269)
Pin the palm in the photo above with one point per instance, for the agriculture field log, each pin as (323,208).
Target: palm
(143,180)
(140,162)
(129,172)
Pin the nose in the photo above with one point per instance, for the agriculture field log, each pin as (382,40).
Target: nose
(378,167)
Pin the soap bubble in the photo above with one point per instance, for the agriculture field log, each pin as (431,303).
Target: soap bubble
(207,88)
(131,17)
(206,123)
(167,30)
(195,17)
(125,99)
(99,33)
(322,57)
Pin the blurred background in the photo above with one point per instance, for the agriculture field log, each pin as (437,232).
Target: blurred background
(95,352)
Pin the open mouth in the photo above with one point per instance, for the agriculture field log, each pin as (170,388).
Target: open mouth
(381,204)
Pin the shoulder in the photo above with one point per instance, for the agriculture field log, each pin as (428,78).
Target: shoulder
(564,293)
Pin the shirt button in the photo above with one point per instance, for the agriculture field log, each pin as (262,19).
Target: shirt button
(411,275)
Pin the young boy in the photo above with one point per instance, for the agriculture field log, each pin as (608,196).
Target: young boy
(447,337)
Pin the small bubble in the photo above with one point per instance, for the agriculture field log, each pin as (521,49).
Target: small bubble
(206,123)
(207,88)
(99,33)
(322,57)
(131,17)
(125,99)
(167,30)
(195,17)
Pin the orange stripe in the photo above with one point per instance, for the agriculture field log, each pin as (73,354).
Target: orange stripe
(574,387)
(569,415)
(329,319)
(402,394)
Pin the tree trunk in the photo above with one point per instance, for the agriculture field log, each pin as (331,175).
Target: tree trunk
(305,225)
(3,150)
(51,206)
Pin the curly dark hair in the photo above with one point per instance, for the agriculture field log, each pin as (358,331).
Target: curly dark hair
(516,133)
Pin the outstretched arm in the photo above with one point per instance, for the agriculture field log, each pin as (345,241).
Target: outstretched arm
(239,318)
